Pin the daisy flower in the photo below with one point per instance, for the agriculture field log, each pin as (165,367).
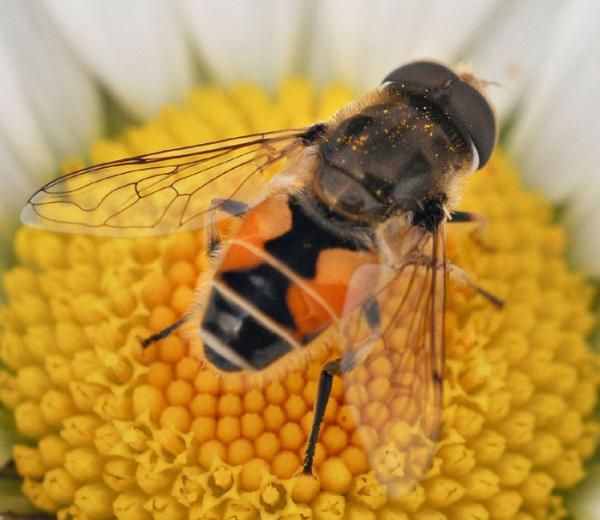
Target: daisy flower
(92,427)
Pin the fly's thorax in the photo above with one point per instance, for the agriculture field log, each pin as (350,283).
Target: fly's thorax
(389,157)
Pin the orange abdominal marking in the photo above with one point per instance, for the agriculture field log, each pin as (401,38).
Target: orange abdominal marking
(268,220)
(335,268)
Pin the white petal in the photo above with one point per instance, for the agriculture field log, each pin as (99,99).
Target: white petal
(360,42)
(16,184)
(19,128)
(247,40)
(59,91)
(583,221)
(555,138)
(559,118)
(508,46)
(135,47)
(48,105)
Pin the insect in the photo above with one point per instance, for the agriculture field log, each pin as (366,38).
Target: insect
(347,235)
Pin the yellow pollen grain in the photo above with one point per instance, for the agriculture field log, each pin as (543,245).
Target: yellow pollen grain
(182,299)
(160,374)
(116,431)
(182,273)
(252,474)
(180,392)
(171,349)
(335,475)
(60,485)
(177,417)
(233,383)
(309,393)
(207,381)
(355,460)
(334,439)
(147,398)
(274,417)
(240,451)
(230,404)
(253,425)
(254,401)
(285,464)
(295,407)
(187,368)
(228,429)
(204,429)
(157,290)
(210,451)
(267,445)
(275,393)
(28,461)
(204,405)
(292,437)
(52,450)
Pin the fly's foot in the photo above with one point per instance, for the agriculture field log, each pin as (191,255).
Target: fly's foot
(306,473)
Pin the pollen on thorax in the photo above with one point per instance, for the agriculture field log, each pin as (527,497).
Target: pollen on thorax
(114,431)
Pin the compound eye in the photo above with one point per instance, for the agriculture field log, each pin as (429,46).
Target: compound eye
(463,105)
(421,77)
(467,105)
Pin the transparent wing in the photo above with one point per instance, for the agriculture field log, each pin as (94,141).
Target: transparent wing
(398,387)
(162,192)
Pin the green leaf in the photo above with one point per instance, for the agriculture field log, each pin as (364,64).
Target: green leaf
(8,436)
(583,502)
(12,500)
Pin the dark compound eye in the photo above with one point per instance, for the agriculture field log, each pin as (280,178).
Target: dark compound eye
(462,104)
(421,76)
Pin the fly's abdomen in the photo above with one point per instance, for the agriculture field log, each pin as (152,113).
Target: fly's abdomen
(282,281)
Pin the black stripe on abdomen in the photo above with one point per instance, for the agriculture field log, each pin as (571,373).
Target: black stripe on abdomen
(263,289)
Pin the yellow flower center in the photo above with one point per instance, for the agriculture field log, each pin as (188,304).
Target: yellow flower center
(118,432)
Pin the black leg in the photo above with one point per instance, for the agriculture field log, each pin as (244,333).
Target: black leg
(480,221)
(146,342)
(467,216)
(232,207)
(370,310)
(464,279)
(494,300)
(329,370)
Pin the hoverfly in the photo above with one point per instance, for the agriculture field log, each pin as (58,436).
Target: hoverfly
(347,235)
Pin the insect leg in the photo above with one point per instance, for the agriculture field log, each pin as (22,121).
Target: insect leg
(146,342)
(338,367)
(464,279)
(467,216)
(325,381)
(232,207)
(481,223)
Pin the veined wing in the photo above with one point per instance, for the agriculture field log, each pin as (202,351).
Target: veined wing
(398,387)
(162,192)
